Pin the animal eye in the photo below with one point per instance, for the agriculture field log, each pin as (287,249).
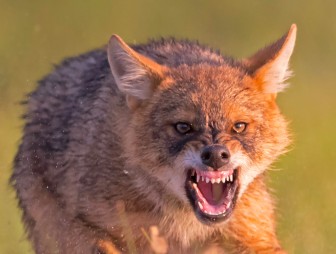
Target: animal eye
(183,128)
(239,127)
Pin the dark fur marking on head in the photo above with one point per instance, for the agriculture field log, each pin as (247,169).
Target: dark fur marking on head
(190,52)
(247,143)
(177,146)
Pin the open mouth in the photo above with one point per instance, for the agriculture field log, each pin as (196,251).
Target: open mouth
(212,194)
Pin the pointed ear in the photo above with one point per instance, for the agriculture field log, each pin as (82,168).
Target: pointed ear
(135,75)
(269,66)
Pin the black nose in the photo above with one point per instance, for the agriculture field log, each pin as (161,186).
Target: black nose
(215,156)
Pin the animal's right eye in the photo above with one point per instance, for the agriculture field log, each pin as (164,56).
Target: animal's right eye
(183,128)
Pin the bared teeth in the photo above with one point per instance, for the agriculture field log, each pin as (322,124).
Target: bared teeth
(218,206)
(223,179)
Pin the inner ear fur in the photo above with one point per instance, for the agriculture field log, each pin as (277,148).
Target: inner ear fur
(269,66)
(135,75)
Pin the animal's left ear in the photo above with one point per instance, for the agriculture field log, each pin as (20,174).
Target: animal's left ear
(269,66)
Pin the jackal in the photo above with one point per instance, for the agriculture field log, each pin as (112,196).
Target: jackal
(179,134)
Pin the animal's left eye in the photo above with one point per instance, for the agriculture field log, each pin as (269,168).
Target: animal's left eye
(183,128)
(239,127)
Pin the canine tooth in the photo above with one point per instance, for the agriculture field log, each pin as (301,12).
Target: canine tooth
(228,179)
(231,178)
(223,179)
(197,178)
(218,180)
(207,180)
(213,180)
(200,205)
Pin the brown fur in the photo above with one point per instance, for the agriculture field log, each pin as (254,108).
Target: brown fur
(101,162)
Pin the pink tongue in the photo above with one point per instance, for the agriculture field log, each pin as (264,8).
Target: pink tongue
(207,189)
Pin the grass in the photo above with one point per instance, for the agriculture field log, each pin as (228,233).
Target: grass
(35,35)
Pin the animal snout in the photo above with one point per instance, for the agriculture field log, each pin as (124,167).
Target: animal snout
(215,156)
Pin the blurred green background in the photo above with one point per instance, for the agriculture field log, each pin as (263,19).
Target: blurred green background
(35,35)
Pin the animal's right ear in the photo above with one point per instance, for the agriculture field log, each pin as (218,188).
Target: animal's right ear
(135,75)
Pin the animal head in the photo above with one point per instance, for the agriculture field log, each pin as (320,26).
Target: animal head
(204,131)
